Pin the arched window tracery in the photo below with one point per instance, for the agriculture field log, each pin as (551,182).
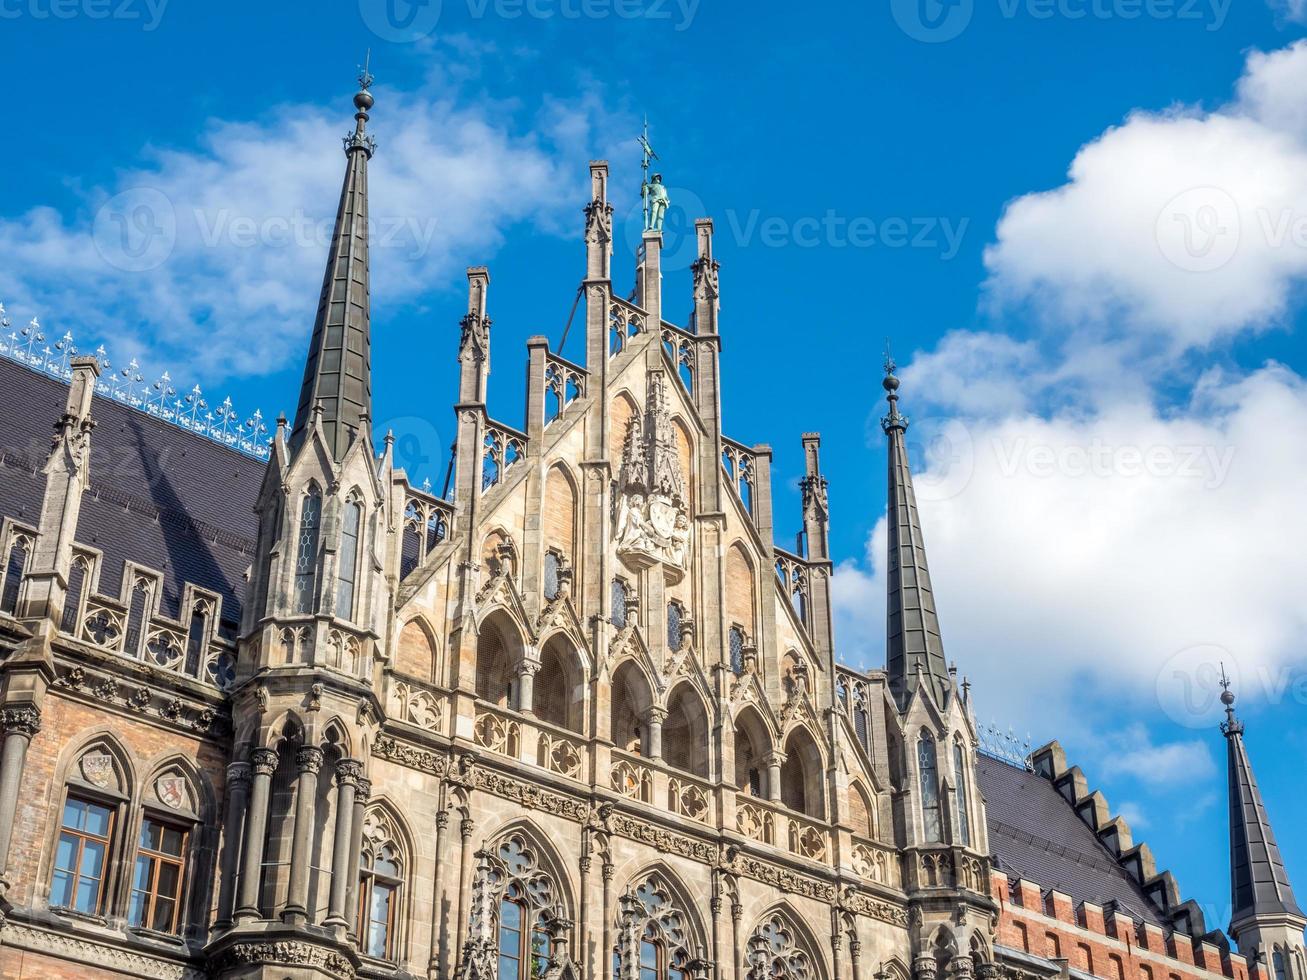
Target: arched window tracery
(306,552)
(928,773)
(773,953)
(351,531)
(517,924)
(382,870)
(653,935)
(963,796)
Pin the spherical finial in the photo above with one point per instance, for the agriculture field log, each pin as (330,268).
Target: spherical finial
(363,100)
(890,383)
(1227,697)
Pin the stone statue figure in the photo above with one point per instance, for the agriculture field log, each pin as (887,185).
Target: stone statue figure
(656,203)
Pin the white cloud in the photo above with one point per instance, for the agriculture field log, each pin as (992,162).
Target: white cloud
(1134,754)
(1185,225)
(1295,10)
(1124,550)
(221,246)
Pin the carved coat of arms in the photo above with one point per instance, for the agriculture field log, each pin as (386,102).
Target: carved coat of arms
(171,791)
(97,768)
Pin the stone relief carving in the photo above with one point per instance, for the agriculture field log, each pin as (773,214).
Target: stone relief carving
(653,521)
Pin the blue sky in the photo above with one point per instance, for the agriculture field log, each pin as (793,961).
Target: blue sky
(1080,222)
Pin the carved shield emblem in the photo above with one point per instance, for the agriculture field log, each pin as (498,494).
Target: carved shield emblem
(97,768)
(171,791)
(662,515)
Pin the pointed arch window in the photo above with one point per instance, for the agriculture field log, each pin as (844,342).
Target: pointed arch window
(306,553)
(553,561)
(653,935)
(81,860)
(619,603)
(1281,970)
(737,650)
(137,615)
(928,770)
(773,953)
(525,907)
(963,797)
(675,617)
(15,568)
(379,882)
(157,877)
(347,573)
(73,597)
(197,638)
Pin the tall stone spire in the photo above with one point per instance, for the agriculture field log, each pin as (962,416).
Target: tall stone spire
(914,649)
(1261,895)
(338,372)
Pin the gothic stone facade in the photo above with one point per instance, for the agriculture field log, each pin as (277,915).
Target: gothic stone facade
(581,716)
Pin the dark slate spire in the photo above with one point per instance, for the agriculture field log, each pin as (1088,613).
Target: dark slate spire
(914,649)
(338,373)
(1258,882)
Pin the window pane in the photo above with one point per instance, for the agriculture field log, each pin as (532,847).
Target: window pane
(96,820)
(150,833)
(142,873)
(649,955)
(92,858)
(87,893)
(163,912)
(61,889)
(172,841)
(136,911)
(66,853)
(508,968)
(169,879)
(73,814)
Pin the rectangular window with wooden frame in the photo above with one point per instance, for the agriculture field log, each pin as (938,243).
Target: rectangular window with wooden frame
(82,856)
(157,877)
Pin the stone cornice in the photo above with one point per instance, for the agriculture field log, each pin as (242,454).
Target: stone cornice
(81,949)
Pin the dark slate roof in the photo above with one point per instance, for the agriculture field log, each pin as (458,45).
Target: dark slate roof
(1035,834)
(160,496)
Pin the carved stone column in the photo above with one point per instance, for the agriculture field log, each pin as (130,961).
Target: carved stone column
(960,967)
(438,895)
(264,763)
(774,763)
(308,762)
(526,675)
(362,792)
(348,774)
(21,723)
(465,828)
(654,719)
(925,967)
(238,793)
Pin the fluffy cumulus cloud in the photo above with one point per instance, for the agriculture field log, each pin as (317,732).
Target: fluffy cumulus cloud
(1185,226)
(1126,549)
(216,246)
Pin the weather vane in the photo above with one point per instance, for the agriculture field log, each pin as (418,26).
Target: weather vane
(365,76)
(653,194)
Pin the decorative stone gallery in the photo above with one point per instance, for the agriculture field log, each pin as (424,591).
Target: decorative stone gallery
(271,710)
